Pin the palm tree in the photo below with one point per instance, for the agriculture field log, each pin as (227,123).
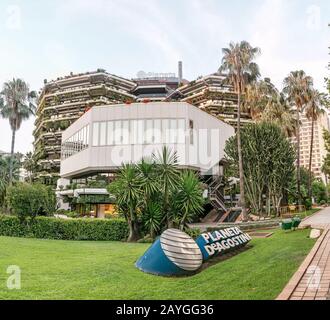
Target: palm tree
(296,86)
(238,65)
(29,164)
(16,105)
(278,110)
(313,111)
(127,190)
(168,173)
(257,96)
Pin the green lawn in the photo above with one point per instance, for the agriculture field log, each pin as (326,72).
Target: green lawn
(105,270)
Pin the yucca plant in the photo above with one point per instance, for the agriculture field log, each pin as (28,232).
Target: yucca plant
(187,201)
(152,218)
(149,182)
(127,190)
(167,172)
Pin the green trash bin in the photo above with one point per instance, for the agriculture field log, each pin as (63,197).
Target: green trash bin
(287,224)
(296,222)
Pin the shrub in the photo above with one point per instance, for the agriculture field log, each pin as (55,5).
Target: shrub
(194,233)
(308,204)
(61,229)
(322,203)
(29,200)
(72,214)
(62,211)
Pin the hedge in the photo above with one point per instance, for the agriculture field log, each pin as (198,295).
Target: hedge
(61,229)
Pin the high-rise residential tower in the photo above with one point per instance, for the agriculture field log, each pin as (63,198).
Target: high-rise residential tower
(319,151)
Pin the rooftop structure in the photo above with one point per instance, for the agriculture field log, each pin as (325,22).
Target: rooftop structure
(154,89)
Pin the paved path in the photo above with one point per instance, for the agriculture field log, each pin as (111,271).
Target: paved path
(319,220)
(312,280)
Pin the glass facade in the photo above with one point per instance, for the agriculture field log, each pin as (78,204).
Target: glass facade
(147,131)
(126,132)
(76,143)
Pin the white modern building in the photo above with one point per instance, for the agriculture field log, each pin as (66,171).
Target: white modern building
(105,137)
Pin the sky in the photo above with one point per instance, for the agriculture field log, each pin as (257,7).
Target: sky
(47,39)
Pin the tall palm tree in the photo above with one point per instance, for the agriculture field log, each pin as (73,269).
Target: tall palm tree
(168,173)
(296,86)
(238,65)
(29,164)
(16,105)
(313,112)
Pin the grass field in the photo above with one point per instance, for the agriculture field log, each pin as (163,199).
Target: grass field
(105,270)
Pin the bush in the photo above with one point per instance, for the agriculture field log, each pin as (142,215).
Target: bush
(61,229)
(308,204)
(323,202)
(30,200)
(194,233)
(72,214)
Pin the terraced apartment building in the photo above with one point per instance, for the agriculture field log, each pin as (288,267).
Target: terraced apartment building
(62,102)
(212,94)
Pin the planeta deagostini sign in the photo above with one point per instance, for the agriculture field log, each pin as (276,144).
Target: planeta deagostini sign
(176,253)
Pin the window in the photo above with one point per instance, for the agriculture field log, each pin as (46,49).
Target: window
(125,132)
(173,131)
(157,131)
(134,132)
(87,136)
(117,132)
(165,131)
(191,131)
(181,131)
(149,133)
(140,131)
(76,143)
(95,134)
(110,137)
(103,133)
